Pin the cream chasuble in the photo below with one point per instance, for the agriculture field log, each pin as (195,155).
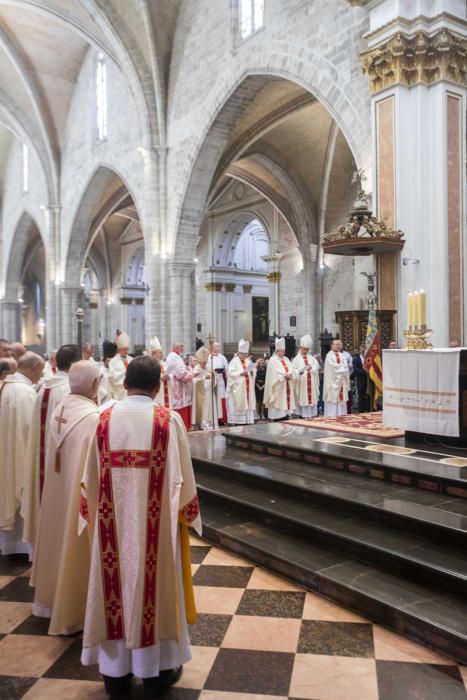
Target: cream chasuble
(16,411)
(117,373)
(279,392)
(306,369)
(51,393)
(164,395)
(135,614)
(204,400)
(336,384)
(60,571)
(241,398)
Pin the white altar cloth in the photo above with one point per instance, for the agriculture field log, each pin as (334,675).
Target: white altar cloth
(421,390)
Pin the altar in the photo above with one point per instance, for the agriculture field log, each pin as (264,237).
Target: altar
(425,391)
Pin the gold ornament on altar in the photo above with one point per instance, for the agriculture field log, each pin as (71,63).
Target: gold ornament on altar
(418,334)
(363,234)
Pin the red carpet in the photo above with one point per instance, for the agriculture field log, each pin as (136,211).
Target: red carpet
(357,423)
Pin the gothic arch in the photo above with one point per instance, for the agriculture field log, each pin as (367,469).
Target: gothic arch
(25,228)
(87,213)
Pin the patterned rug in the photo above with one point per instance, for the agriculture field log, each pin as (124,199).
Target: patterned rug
(356,423)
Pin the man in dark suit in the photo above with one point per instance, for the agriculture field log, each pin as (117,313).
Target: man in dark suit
(361,379)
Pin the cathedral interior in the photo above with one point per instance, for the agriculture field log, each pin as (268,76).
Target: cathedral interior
(203,170)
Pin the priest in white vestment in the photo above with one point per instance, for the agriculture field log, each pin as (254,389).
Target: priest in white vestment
(336,382)
(218,362)
(279,390)
(306,369)
(60,572)
(241,397)
(140,590)
(118,366)
(17,400)
(51,393)
(204,401)
(181,378)
(164,396)
(50,369)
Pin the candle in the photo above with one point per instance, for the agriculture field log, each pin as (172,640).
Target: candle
(410,301)
(422,298)
(416,309)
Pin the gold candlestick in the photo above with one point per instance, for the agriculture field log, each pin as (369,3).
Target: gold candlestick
(418,338)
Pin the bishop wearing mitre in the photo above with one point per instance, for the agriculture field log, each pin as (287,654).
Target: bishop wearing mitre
(336,382)
(306,369)
(241,374)
(163,397)
(279,389)
(118,366)
(181,378)
(204,400)
(17,400)
(141,497)
(50,394)
(218,362)
(60,571)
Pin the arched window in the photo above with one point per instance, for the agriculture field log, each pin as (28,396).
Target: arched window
(251,17)
(252,245)
(101,97)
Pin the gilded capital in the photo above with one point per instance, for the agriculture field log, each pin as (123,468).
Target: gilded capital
(274,277)
(213,287)
(421,58)
(247,288)
(230,287)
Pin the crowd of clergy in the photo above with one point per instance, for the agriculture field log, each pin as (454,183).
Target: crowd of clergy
(97,485)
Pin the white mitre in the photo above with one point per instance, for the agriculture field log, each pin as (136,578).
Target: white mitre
(123,341)
(154,344)
(243,346)
(280,343)
(306,341)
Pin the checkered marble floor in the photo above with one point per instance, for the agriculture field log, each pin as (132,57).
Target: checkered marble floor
(258,637)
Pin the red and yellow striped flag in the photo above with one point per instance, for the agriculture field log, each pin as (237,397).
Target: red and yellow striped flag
(373,364)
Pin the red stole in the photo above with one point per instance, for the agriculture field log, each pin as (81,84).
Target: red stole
(154,460)
(54,370)
(125,363)
(341,392)
(287,383)
(166,390)
(247,382)
(308,380)
(43,418)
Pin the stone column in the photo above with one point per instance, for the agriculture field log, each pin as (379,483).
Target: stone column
(54,278)
(10,320)
(416,66)
(182,304)
(274,278)
(248,307)
(230,289)
(70,301)
(213,310)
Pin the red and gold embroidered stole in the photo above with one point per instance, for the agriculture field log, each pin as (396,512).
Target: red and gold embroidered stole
(341,392)
(287,383)
(154,460)
(247,382)
(308,380)
(43,418)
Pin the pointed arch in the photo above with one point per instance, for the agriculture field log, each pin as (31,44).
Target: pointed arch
(25,229)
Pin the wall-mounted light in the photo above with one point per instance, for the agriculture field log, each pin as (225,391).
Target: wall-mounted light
(58,282)
(410,261)
(195,260)
(20,300)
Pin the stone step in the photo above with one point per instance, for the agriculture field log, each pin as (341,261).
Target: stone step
(431,468)
(433,516)
(437,620)
(417,558)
